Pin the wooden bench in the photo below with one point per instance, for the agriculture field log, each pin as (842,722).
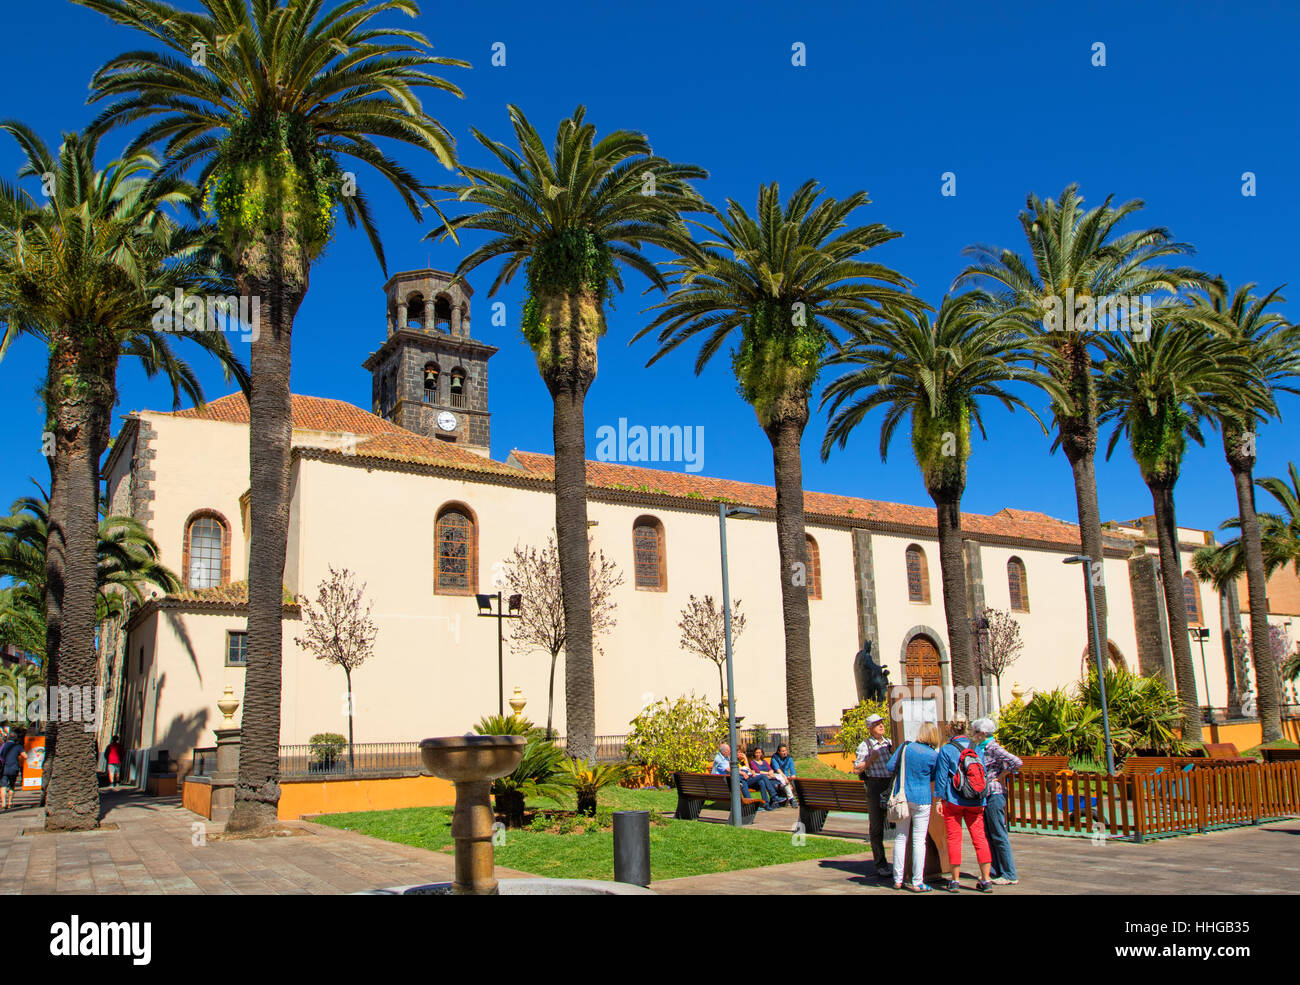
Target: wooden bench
(696,790)
(1044,764)
(817,798)
(1281,755)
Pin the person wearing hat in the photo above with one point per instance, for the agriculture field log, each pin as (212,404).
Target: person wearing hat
(871,762)
(997,763)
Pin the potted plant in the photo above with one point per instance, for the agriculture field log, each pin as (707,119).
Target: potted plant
(326,748)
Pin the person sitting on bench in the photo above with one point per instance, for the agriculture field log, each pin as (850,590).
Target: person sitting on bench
(765,785)
(763,769)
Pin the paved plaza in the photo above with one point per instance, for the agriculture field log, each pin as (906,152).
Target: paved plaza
(152,845)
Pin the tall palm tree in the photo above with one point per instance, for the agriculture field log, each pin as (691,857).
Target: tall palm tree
(936,375)
(267,96)
(1272,348)
(571,219)
(1080,255)
(80,270)
(1156,392)
(784,280)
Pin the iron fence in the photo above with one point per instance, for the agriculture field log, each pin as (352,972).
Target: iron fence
(360,759)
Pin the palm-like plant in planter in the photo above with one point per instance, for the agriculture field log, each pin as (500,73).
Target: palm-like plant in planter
(588,779)
(540,772)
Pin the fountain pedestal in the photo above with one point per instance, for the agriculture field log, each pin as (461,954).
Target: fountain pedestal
(471,763)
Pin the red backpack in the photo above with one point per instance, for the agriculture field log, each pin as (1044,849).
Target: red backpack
(969,781)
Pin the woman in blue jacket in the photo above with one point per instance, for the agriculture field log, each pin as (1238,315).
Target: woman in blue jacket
(915,781)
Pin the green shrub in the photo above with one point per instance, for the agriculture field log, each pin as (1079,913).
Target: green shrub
(327,746)
(587,780)
(853,723)
(676,736)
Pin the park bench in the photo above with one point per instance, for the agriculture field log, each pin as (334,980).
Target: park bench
(1281,755)
(1044,764)
(817,798)
(697,790)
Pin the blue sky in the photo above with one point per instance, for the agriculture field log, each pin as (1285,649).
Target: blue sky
(892,96)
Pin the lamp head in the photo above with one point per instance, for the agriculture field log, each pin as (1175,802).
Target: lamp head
(744,512)
(484,603)
(1077,559)
(516,603)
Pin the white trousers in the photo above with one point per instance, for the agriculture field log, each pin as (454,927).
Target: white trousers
(919,818)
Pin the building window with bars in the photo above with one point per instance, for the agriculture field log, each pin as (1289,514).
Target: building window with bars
(236,649)
(814,568)
(1192,599)
(1018,584)
(207,551)
(456,544)
(918,575)
(648,552)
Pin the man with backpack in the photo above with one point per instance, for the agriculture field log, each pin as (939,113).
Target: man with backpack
(961,784)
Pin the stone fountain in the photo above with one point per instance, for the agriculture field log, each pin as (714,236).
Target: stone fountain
(471,763)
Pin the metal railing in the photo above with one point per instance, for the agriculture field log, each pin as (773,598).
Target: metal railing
(361,759)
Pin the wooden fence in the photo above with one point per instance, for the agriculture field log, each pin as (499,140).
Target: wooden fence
(1146,804)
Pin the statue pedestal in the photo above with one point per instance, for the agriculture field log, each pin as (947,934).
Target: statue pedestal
(226,773)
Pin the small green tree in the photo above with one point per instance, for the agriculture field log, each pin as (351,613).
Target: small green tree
(673,736)
(853,723)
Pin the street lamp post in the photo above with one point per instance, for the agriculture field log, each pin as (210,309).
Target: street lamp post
(1086,561)
(723,512)
(981,626)
(516,611)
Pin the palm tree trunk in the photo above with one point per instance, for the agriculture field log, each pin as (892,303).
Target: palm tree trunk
(1171,578)
(785,433)
(274,269)
(83,398)
(1079,442)
(575,572)
(952,570)
(1266,677)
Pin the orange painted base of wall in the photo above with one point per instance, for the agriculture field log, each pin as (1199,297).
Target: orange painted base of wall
(1247,735)
(841,761)
(381,794)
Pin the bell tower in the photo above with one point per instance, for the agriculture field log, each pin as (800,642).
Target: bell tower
(430,376)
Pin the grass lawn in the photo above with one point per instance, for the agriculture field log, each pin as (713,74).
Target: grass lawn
(677,848)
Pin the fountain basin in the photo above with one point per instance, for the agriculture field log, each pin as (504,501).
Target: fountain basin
(472,757)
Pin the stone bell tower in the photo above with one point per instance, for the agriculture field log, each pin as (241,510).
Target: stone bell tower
(430,376)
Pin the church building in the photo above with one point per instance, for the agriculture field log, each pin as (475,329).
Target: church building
(405,495)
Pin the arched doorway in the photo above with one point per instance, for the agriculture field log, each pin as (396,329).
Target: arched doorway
(1113,654)
(921,661)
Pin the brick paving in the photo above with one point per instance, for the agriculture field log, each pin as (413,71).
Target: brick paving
(153,851)
(1250,860)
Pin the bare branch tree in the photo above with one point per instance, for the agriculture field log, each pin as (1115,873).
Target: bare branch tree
(338,629)
(534,573)
(1002,646)
(704,632)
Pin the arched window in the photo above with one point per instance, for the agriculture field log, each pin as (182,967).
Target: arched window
(1192,598)
(442,313)
(455,568)
(431,383)
(648,551)
(918,575)
(814,568)
(458,387)
(415,311)
(206,551)
(1018,583)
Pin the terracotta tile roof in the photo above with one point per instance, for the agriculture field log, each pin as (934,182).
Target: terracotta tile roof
(307,413)
(406,446)
(235,593)
(1017,524)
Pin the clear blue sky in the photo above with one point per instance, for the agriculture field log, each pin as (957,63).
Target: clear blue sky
(892,96)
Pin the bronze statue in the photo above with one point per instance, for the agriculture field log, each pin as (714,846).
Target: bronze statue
(871,678)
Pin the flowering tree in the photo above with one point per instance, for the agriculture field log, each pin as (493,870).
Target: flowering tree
(534,573)
(704,632)
(339,629)
(1001,647)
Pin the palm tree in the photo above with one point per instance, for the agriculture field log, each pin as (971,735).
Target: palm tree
(268,97)
(1077,256)
(782,279)
(935,374)
(1156,392)
(571,219)
(127,561)
(1272,347)
(80,271)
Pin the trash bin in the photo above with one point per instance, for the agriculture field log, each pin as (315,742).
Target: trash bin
(632,847)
